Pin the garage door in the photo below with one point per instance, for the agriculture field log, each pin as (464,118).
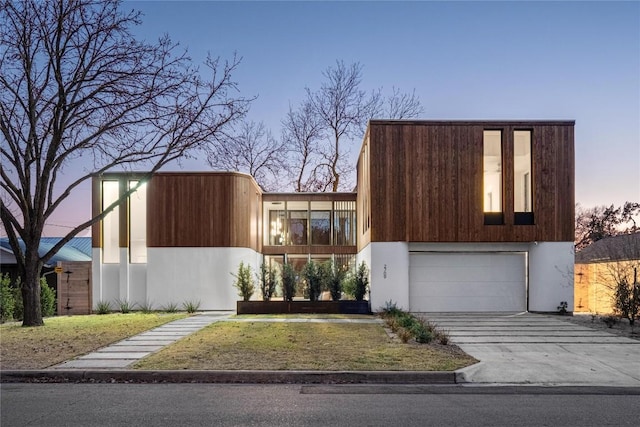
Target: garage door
(467,282)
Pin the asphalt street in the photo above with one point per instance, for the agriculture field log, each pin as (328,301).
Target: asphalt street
(308,405)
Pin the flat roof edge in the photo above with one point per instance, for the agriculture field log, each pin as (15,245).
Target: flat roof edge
(473,122)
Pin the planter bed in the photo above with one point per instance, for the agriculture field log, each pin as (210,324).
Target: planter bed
(302,307)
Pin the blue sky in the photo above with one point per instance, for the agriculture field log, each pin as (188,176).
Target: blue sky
(466,60)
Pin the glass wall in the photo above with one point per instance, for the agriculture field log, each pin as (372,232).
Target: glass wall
(110,223)
(298,223)
(309,223)
(320,223)
(138,224)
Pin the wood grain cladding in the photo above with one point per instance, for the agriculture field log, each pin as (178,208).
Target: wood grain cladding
(203,210)
(426,182)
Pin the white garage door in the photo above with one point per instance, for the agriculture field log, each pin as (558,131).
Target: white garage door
(467,282)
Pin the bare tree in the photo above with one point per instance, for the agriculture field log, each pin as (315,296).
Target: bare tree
(343,109)
(401,105)
(76,83)
(302,132)
(593,224)
(321,132)
(253,150)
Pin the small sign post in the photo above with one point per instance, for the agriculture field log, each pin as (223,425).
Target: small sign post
(58,270)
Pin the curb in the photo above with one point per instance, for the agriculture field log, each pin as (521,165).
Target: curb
(232,377)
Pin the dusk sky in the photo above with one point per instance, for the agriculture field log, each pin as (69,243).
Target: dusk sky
(466,60)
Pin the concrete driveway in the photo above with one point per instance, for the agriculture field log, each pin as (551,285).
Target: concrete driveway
(539,349)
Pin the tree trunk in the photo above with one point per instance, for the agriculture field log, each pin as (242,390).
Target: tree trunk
(31,288)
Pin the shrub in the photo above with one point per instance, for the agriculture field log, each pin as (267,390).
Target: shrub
(103,307)
(313,276)
(18,308)
(47,298)
(361,282)
(289,282)
(146,307)
(244,282)
(7,302)
(334,278)
(268,281)
(403,323)
(191,306)
(563,308)
(390,309)
(171,307)
(610,321)
(442,337)
(125,306)
(404,335)
(627,300)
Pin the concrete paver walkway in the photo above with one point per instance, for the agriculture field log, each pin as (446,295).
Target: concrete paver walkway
(538,349)
(126,352)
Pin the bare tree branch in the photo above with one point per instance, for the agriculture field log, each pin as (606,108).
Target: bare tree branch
(75,84)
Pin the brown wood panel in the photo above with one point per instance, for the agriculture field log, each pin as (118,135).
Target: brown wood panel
(426,182)
(203,210)
(74,290)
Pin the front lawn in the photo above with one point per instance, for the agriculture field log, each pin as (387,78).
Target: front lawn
(65,337)
(302,346)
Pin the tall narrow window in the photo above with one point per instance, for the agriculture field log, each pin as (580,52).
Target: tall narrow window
(110,223)
(138,224)
(522,197)
(492,176)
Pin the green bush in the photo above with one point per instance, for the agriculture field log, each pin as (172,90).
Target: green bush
(7,302)
(334,278)
(268,281)
(18,308)
(146,307)
(244,282)
(406,325)
(103,307)
(47,298)
(361,282)
(289,282)
(191,306)
(125,306)
(171,307)
(313,276)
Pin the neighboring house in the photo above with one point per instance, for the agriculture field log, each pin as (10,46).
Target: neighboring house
(448,215)
(600,266)
(73,289)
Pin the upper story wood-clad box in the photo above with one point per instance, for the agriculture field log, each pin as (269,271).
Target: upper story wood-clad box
(466,181)
(209,209)
(195,209)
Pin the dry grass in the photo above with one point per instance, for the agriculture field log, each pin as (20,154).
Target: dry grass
(63,338)
(301,346)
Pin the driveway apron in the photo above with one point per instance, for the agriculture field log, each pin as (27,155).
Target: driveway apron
(525,348)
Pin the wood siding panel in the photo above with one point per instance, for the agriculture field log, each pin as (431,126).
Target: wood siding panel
(426,182)
(203,210)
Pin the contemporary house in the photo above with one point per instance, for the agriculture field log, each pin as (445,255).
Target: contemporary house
(448,215)
(600,266)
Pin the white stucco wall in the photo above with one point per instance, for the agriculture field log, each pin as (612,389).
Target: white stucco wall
(550,275)
(176,275)
(389,273)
